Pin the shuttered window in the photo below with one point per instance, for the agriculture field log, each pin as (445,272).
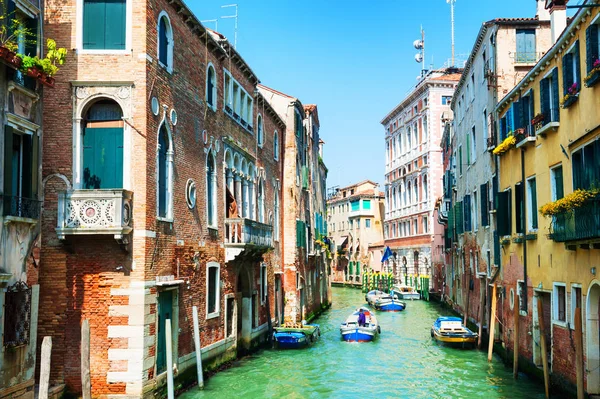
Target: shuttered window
(586,166)
(355,206)
(20,164)
(549,97)
(532,211)
(300,234)
(504,216)
(483,189)
(519,215)
(467,212)
(458,214)
(367,204)
(525,46)
(570,69)
(591,43)
(104,24)
(517,115)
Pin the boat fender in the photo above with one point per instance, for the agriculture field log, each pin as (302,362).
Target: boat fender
(379,329)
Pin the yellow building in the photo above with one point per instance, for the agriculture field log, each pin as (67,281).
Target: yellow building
(549,146)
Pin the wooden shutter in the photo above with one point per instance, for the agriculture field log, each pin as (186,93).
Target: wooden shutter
(8,147)
(521,50)
(591,43)
(509,120)
(578,176)
(103,159)
(531,107)
(534,207)
(530,45)
(567,70)
(545,98)
(460,160)
(460,228)
(577,56)
(558,181)
(467,212)
(517,115)
(519,207)
(503,214)
(483,196)
(469,148)
(94,17)
(495,191)
(116,24)
(555,95)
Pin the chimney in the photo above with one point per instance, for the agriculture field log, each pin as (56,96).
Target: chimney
(558,17)
(542,14)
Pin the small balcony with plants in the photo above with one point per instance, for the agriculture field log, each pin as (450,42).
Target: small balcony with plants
(246,236)
(509,142)
(524,136)
(593,75)
(571,97)
(575,217)
(544,122)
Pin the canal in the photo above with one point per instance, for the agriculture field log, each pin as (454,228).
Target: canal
(403,363)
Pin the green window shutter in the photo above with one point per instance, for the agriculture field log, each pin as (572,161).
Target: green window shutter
(517,115)
(567,70)
(115,25)
(519,208)
(467,212)
(367,204)
(577,64)
(558,180)
(94,17)
(591,43)
(451,222)
(103,159)
(483,190)
(534,207)
(459,218)
(503,213)
(298,232)
(531,107)
(8,148)
(545,98)
(555,100)
(355,206)
(358,268)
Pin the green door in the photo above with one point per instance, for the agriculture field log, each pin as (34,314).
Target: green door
(165,311)
(103,157)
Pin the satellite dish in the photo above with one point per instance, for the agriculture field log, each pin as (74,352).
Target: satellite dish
(419,58)
(418,44)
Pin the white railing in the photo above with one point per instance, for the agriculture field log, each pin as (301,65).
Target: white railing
(240,232)
(87,212)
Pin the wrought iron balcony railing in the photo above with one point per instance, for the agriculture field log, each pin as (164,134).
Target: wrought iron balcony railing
(527,57)
(582,223)
(87,212)
(21,207)
(240,232)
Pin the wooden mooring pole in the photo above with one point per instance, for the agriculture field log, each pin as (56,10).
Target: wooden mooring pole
(481,311)
(198,348)
(86,383)
(579,353)
(492,324)
(540,310)
(516,341)
(45,368)
(169,347)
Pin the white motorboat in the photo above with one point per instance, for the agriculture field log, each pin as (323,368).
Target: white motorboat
(352,332)
(372,296)
(405,292)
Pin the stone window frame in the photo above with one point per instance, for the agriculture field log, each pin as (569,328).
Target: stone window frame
(170,41)
(128,35)
(555,299)
(170,171)
(212,106)
(217,311)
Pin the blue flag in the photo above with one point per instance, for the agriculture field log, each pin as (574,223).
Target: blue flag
(386,254)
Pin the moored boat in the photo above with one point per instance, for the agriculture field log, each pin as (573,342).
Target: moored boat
(296,336)
(406,292)
(353,332)
(389,303)
(450,330)
(373,296)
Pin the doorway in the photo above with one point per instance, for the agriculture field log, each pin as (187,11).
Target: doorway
(593,338)
(165,311)
(244,314)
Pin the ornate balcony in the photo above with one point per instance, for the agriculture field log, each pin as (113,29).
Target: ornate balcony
(246,235)
(21,209)
(582,223)
(93,212)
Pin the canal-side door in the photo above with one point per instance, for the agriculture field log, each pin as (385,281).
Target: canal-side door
(165,311)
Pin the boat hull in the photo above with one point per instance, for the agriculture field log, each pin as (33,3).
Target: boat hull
(296,338)
(358,335)
(450,331)
(456,341)
(411,296)
(390,307)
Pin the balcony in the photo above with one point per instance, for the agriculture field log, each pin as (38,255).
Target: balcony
(21,209)
(245,235)
(582,223)
(525,136)
(95,212)
(526,58)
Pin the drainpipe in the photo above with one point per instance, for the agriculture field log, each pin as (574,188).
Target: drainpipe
(524,225)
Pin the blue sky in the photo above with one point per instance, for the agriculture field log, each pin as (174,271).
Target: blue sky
(354,59)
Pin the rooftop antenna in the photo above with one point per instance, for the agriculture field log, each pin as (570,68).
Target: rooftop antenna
(235,16)
(451,2)
(420,45)
(216,21)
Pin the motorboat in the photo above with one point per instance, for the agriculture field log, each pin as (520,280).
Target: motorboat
(352,332)
(389,303)
(373,296)
(296,336)
(406,292)
(450,330)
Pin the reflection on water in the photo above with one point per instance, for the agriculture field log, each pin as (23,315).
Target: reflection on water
(403,363)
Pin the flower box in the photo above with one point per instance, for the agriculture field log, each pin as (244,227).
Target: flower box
(505,241)
(569,100)
(531,236)
(10,57)
(593,77)
(539,118)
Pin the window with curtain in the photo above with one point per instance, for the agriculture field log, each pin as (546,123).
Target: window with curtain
(104,24)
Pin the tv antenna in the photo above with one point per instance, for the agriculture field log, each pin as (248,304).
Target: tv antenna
(451,2)
(235,16)
(420,45)
(216,21)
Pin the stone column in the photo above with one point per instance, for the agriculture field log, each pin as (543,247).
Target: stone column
(245,198)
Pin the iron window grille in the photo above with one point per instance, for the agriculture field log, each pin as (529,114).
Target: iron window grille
(17,315)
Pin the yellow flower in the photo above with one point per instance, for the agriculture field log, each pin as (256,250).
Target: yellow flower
(506,145)
(569,202)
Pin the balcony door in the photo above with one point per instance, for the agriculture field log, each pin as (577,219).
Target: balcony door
(103,146)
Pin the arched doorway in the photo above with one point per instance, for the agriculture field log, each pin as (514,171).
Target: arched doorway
(244,315)
(593,338)
(103,145)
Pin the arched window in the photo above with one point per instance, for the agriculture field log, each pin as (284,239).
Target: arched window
(165,159)
(165,41)
(261,201)
(103,146)
(276,146)
(394,199)
(211,87)
(425,193)
(409,194)
(276,219)
(260,137)
(211,190)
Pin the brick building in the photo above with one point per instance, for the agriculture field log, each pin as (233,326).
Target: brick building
(305,261)
(162,184)
(20,197)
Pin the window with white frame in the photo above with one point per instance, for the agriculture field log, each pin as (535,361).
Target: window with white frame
(261,201)
(556,183)
(276,221)
(164,173)
(576,302)
(213,289)
(263,283)
(549,97)
(211,87)
(473,145)
(104,25)
(474,212)
(571,71)
(425,224)
(260,137)
(559,303)
(532,209)
(165,41)
(211,190)
(276,145)
(521,293)
(237,102)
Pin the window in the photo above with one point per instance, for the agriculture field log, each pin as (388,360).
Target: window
(164,172)
(277,217)
(261,201)
(484,202)
(549,97)
(532,209)
(211,190)
(165,41)
(357,224)
(460,160)
(263,283)
(355,205)
(368,223)
(425,224)
(276,147)
(446,100)
(519,215)
(473,145)
(104,24)
(472,87)
(521,293)
(474,212)
(485,128)
(556,183)
(227,92)
(592,48)
(527,112)
(17,315)
(425,131)
(571,71)
(559,303)
(586,166)
(211,87)
(525,46)
(504,215)
(366,204)
(213,289)
(259,131)
(575,303)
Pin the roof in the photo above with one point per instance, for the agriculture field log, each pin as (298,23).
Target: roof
(275,91)
(359,183)
(452,77)
(312,109)
(232,53)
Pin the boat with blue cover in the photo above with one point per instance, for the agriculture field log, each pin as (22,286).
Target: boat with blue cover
(450,330)
(353,332)
(296,336)
(389,303)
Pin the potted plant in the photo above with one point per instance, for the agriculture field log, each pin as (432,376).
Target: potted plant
(539,118)
(569,202)
(44,69)
(508,143)
(10,30)
(571,96)
(594,75)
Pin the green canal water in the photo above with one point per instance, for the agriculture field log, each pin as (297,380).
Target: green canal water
(403,362)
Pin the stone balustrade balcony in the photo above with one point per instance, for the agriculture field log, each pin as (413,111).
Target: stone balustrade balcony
(245,234)
(95,212)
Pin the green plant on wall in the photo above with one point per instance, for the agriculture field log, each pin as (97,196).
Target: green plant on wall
(48,65)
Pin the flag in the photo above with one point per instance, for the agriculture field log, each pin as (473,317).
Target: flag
(386,254)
